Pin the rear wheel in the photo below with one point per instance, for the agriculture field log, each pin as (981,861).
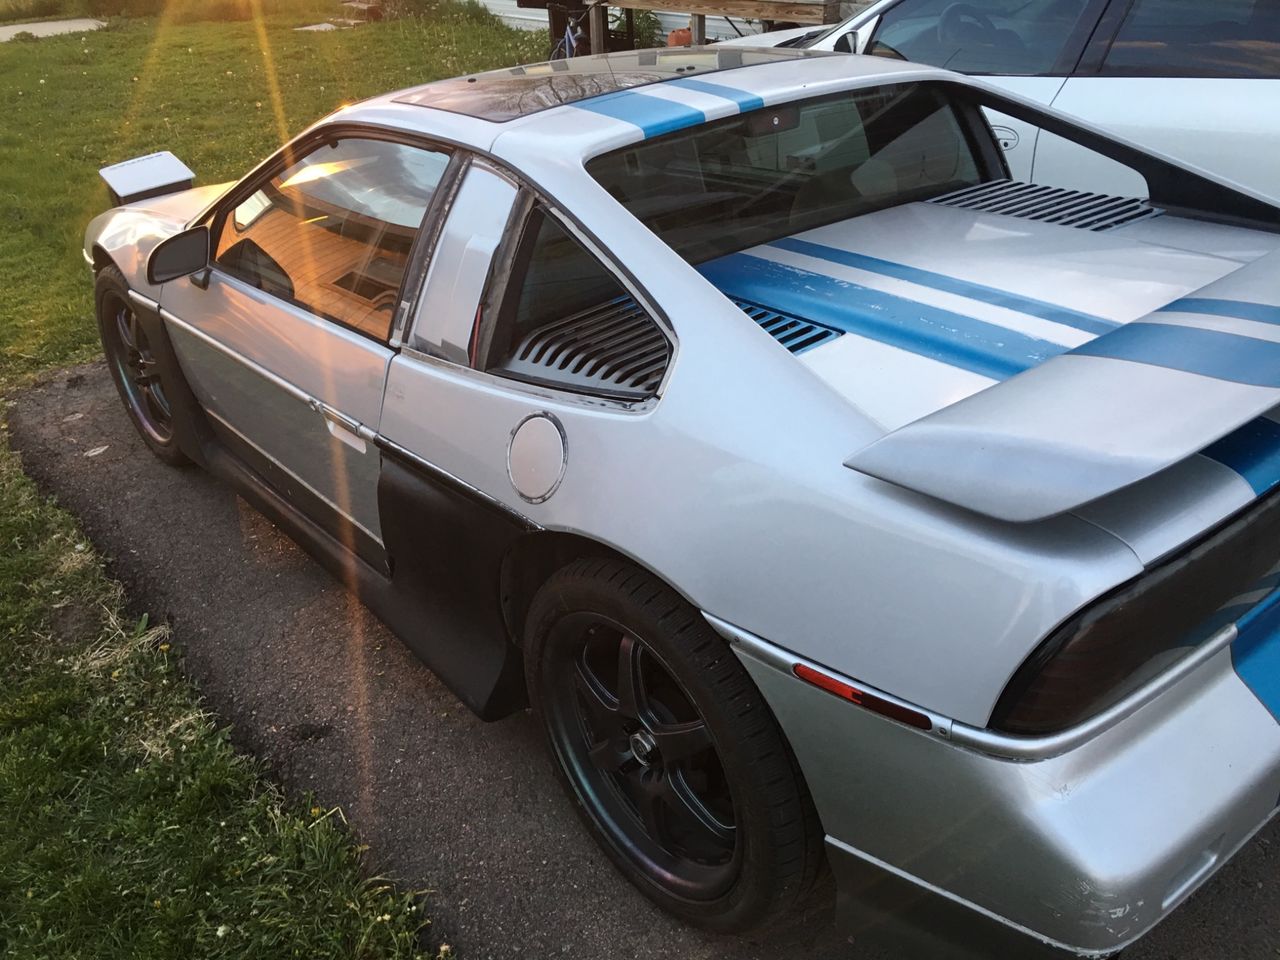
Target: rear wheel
(134,368)
(673,758)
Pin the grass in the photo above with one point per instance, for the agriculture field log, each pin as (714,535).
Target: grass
(129,827)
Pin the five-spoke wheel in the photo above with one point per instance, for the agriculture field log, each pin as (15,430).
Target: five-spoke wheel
(134,366)
(674,760)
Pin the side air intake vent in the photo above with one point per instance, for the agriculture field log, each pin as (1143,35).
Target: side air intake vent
(614,349)
(1068,208)
(794,334)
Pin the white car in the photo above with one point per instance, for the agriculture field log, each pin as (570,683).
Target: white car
(1196,79)
(834,500)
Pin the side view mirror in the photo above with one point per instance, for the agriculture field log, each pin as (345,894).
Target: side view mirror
(181,255)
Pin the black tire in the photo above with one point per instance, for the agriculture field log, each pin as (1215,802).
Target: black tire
(747,851)
(133,366)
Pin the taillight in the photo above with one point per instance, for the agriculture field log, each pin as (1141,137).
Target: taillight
(1142,628)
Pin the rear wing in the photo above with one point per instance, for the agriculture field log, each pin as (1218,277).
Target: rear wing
(1105,415)
(145,177)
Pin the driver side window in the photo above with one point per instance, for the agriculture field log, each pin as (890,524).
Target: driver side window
(1000,37)
(332,231)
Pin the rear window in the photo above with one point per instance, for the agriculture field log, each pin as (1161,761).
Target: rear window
(734,183)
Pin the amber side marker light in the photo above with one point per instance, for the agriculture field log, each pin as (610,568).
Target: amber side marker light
(860,698)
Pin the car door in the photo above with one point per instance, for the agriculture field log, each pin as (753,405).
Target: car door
(1025,48)
(284,340)
(1197,80)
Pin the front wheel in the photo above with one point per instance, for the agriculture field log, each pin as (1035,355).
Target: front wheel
(134,367)
(674,760)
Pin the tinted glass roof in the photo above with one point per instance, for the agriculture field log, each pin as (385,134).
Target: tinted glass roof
(506,94)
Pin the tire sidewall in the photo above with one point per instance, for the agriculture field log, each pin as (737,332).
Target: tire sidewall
(110,284)
(687,655)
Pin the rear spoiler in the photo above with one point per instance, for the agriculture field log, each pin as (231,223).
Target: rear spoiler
(1105,415)
(145,177)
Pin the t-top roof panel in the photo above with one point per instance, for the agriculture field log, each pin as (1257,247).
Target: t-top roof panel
(501,95)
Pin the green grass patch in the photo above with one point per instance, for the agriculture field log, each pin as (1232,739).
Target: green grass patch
(129,827)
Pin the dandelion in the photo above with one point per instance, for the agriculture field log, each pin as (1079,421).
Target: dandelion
(222,930)
(164,648)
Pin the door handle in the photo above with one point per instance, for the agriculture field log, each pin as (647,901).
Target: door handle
(343,428)
(1007,137)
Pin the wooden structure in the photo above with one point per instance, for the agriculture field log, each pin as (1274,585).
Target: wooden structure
(769,11)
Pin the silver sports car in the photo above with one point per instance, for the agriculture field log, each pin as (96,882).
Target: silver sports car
(837,503)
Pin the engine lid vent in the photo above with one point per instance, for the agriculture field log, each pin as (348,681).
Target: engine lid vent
(614,349)
(793,333)
(1068,208)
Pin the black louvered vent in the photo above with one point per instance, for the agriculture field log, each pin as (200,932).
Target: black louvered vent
(615,349)
(1068,208)
(794,334)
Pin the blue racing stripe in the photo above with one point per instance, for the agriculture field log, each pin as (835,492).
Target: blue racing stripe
(651,114)
(745,101)
(952,338)
(1238,309)
(939,281)
(1253,451)
(1255,654)
(1210,353)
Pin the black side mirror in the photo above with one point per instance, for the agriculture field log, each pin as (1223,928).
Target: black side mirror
(181,255)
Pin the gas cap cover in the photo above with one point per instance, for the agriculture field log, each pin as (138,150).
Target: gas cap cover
(536,457)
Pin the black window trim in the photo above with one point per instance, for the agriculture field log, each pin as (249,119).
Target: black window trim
(218,213)
(497,299)
(1068,59)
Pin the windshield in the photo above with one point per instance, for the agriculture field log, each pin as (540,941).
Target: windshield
(746,180)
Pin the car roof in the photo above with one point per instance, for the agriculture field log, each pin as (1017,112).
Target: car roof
(514,92)
(541,115)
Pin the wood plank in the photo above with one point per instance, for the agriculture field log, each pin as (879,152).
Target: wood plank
(825,11)
(598,23)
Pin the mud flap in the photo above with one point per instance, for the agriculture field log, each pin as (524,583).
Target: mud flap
(191,428)
(446,546)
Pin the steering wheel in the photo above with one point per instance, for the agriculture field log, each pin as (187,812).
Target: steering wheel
(955,15)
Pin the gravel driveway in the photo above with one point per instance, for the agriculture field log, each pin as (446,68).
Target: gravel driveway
(314,685)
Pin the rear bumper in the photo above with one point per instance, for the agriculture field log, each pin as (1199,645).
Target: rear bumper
(959,853)
(878,904)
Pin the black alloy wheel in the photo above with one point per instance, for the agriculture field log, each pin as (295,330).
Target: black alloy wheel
(673,759)
(643,754)
(134,367)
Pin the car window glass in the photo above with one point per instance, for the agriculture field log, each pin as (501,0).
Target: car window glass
(745,180)
(332,231)
(1180,38)
(1006,37)
(567,321)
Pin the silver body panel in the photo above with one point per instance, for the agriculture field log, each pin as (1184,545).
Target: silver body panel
(1088,849)
(231,336)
